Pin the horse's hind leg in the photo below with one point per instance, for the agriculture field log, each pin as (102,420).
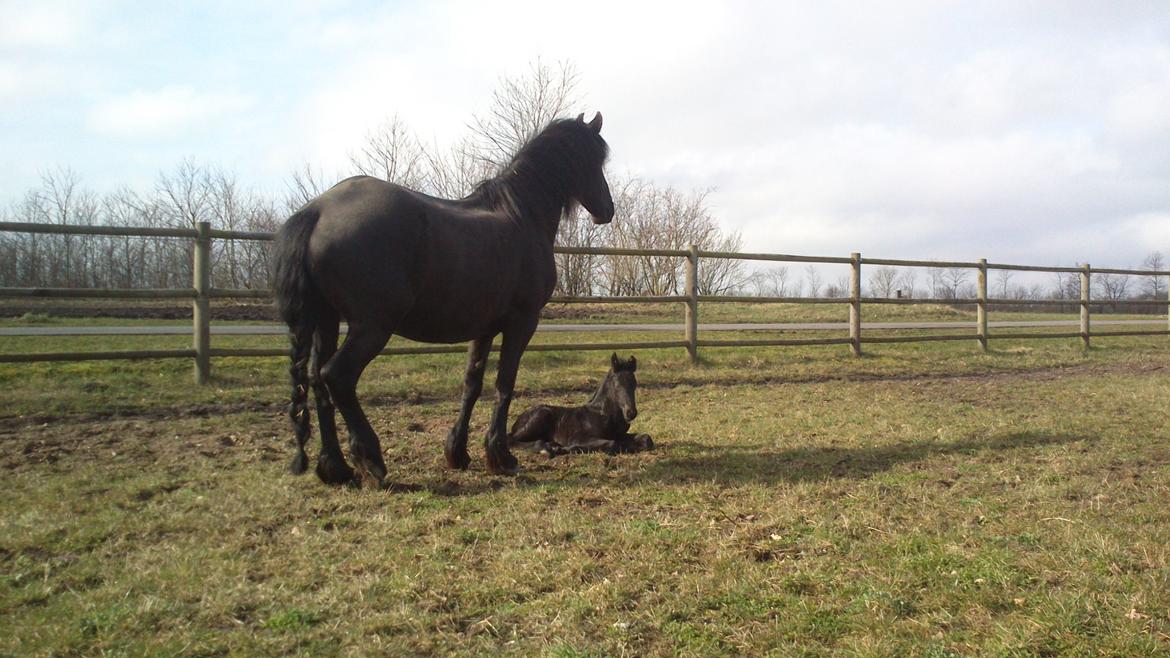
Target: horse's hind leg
(456,448)
(341,376)
(331,466)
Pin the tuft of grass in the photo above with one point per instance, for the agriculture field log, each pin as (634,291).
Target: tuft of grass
(292,620)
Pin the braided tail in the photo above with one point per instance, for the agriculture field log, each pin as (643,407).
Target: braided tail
(299,304)
(301,343)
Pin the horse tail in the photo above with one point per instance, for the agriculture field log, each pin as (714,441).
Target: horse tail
(299,303)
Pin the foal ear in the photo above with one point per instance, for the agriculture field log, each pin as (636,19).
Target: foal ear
(581,117)
(633,363)
(595,124)
(614,362)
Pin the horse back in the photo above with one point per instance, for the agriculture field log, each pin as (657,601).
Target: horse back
(428,269)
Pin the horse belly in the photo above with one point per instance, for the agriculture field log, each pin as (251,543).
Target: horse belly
(459,319)
(468,294)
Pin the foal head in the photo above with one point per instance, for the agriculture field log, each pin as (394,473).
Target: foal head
(620,384)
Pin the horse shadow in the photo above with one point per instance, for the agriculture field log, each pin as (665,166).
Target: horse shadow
(686,461)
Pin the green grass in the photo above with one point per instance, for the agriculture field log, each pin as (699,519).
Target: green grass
(924,500)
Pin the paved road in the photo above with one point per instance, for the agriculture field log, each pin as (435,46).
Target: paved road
(275,330)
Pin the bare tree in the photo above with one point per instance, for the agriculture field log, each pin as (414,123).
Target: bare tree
(770,282)
(580,274)
(392,152)
(1155,285)
(839,288)
(521,107)
(812,280)
(456,171)
(1003,280)
(937,282)
(882,281)
(907,280)
(954,281)
(1113,287)
(304,185)
(1067,286)
(653,217)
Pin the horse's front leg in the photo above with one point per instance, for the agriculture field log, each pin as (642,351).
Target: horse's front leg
(636,442)
(456,448)
(499,458)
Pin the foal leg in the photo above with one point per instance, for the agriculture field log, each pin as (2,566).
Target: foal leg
(331,466)
(341,376)
(456,448)
(533,429)
(500,460)
(607,446)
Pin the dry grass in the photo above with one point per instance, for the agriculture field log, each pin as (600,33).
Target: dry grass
(925,500)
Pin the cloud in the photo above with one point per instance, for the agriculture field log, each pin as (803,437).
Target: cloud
(1003,130)
(162,112)
(42,25)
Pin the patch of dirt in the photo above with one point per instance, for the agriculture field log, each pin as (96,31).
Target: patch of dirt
(1033,374)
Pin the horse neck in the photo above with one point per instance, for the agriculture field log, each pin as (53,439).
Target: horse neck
(600,402)
(534,202)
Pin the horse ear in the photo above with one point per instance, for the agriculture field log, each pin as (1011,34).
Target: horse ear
(581,117)
(613,361)
(595,124)
(633,362)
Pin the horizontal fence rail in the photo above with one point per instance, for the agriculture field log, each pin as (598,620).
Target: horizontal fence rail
(201,293)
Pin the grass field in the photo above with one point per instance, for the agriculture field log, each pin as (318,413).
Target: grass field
(924,500)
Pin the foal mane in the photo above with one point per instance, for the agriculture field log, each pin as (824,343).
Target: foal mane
(546,171)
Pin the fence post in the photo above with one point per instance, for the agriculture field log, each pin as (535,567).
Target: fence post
(855,303)
(201,313)
(981,309)
(1085,273)
(692,312)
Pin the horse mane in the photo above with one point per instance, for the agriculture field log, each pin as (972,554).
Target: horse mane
(546,171)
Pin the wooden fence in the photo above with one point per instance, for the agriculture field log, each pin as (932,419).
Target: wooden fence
(201,293)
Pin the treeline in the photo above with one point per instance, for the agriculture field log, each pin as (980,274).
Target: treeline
(180,199)
(648,215)
(958,283)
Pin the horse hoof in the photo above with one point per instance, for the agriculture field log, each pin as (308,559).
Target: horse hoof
(505,464)
(370,480)
(495,470)
(458,461)
(644,442)
(333,471)
(300,463)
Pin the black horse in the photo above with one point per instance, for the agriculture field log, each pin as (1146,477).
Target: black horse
(601,425)
(390,260)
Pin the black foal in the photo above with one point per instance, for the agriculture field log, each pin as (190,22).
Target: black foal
(601,425)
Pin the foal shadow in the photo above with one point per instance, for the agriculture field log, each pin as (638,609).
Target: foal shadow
(702,462)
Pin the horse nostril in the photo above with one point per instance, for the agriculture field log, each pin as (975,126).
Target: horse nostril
(632,414)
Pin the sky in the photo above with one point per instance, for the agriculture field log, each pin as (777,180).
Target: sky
(1021,132)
